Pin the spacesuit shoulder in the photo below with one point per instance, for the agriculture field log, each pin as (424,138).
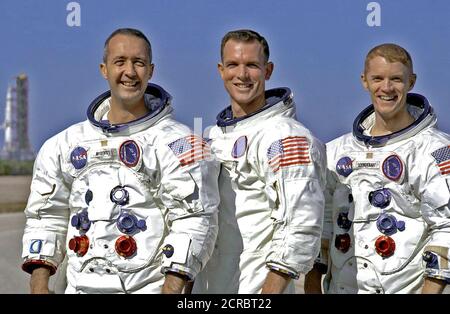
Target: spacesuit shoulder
(434,148)
(338,141)
(336,146)
(431,139)
(170,130)
(283,127)
(64,138)
(211,132)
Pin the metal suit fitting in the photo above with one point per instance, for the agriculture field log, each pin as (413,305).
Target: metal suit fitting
(168,250)
(380,198)
(385,246)
(343,221)
(342,242)
(88,196)
(389,225)
(81,221)
(119,195)
(79,245)
(125,246)
(128,223)
(430,258)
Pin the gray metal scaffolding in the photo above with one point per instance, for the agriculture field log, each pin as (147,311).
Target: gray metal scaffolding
(16,145)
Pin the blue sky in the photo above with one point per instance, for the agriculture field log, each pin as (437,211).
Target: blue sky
(318,48)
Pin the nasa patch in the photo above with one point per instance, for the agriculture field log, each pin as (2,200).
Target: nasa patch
(392,167)
(239,147)
(35,246)
(129,153)
(344,166)
(78,157)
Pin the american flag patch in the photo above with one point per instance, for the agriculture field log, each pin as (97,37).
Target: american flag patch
(442,157)
(290,151)
(190,149)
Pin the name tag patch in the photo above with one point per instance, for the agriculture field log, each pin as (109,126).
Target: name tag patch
(35,246)
(367,164)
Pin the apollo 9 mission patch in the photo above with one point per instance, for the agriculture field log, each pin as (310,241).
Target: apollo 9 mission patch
(129,153)
(392,167)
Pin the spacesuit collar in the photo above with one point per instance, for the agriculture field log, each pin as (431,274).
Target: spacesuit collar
(157,101)
(418,107)
(274,96)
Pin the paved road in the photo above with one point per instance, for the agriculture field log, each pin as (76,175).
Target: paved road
(13,279)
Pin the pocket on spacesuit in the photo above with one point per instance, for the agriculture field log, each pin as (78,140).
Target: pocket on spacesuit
(42,188)
(182,197)
(436,199)
(37,244)
(444,211)
(42,185)
(272,193)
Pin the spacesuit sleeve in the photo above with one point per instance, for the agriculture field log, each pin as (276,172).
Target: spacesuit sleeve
(330,187)
(47,212)
(189,190)
(294,167)
(435,209)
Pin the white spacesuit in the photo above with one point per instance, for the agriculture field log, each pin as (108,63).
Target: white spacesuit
(125,202)
(271,189)
(387,209)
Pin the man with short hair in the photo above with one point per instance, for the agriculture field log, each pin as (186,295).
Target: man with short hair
(387,212)
(271,180)
(129,195)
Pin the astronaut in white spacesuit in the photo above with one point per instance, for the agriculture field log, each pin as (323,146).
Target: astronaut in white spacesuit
(130,195)
(271,181)
(387,220)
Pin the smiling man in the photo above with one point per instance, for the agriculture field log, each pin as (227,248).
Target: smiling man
(387,226)
(388,81)
(129,195)
(271,180)
(127,67)
(244,69)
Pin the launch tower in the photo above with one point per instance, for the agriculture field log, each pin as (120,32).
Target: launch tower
(17,144)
